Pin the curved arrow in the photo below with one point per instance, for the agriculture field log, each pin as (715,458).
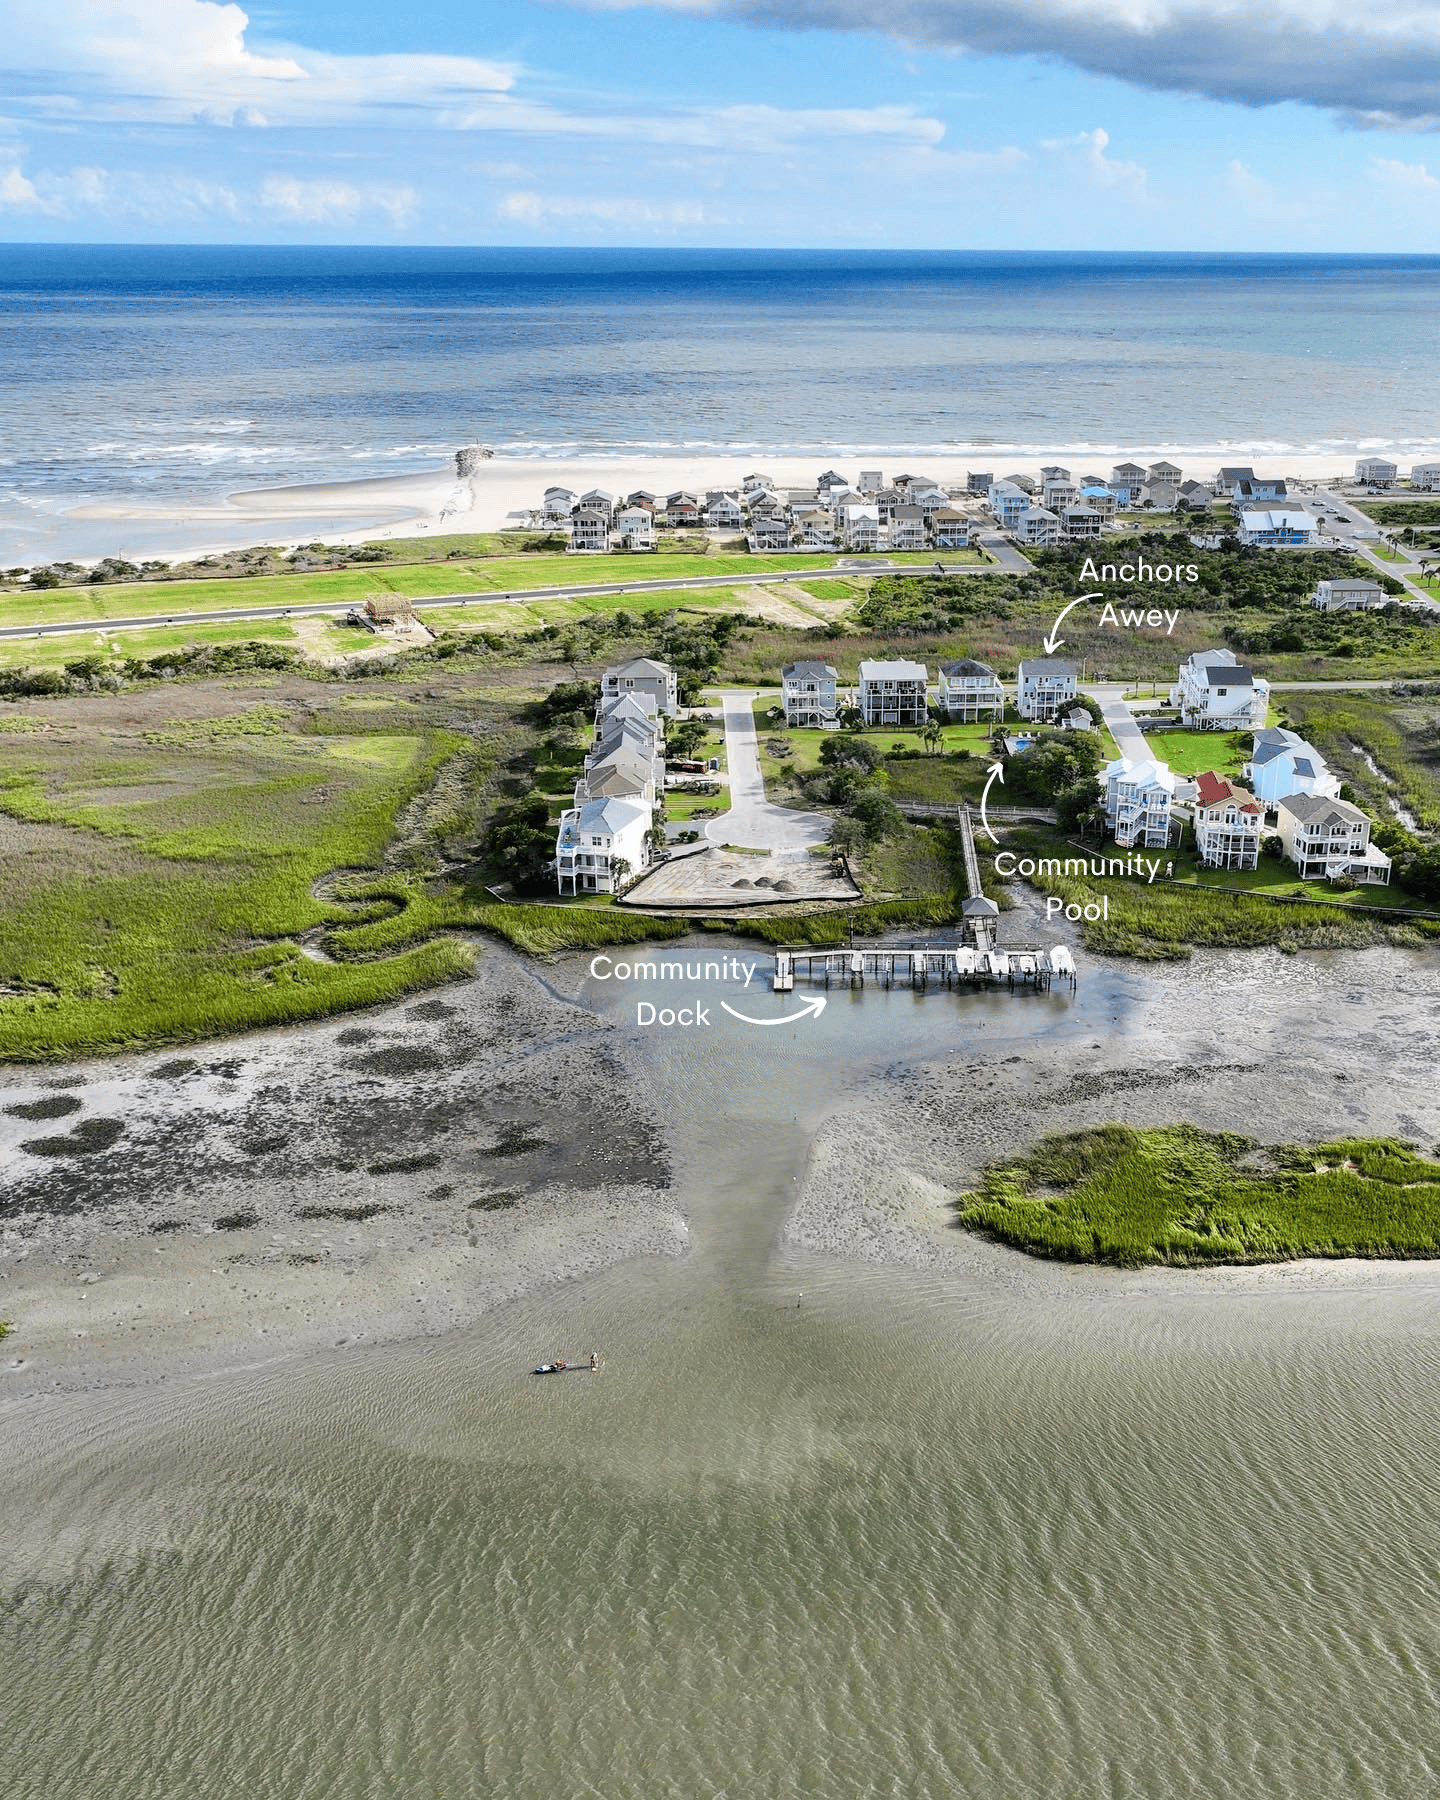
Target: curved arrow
(996,772)
(809,1009)
(1054,641)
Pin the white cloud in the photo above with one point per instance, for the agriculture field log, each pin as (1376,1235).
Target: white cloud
(539,210)
(179,60)
(1413,177)
(17,194)
(1375,65)
(331,202)
(1087,151)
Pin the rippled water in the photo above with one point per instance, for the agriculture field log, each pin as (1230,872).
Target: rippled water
(921,1534)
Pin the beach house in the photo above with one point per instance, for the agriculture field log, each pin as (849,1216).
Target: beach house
(1139,799)
(1228,823)
(1329,840)
(1359,595)
(1164,474)
(1215,693)
(978,481)
(722,511)
(1007,502)
(1282,763)
(969,691)
(682,509)
(950,529)
(651,684)
(1059,494)
(636,526)
(871,481)
(1081,522)
(1376,472)
(599,843)
(557,506)
(1256,490)
(894,693)
(1046,685)
(589,530)
(1037,527)
(1126,481)
(809,693)
(1276,528)
(1425,478)
(859,524)
(907,528)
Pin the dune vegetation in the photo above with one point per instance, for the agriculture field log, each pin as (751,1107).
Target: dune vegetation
(1176,1194)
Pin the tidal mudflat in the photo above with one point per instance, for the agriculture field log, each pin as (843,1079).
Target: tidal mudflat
(858,1503)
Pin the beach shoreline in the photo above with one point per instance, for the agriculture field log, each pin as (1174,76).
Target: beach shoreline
(437,501)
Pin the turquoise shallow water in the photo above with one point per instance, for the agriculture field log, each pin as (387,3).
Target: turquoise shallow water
(924,1533)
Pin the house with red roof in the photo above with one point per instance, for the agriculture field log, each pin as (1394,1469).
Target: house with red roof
(1228,823)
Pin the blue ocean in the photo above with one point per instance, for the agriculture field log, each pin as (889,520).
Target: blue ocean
(184,373)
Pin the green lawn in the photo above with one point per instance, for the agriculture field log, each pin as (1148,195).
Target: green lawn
(53,652)
(1179,1195)
(1193,752)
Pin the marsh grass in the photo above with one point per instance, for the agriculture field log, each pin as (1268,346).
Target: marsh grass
(159,888)
(1178,1195)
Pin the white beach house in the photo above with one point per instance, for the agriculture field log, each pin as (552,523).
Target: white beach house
(636,526)
(969,691)
(1274,527)
(1215,693)
(1037,527)
(589,530)
(1425,477)
(1329,840)
(1046,686)
(950,529)
(1139,797)
(893,693)
(595,840)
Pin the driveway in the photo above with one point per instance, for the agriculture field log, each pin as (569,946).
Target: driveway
(1129,739)
(752,821)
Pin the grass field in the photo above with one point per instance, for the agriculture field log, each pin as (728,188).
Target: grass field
(1401,735)
(1193,752)
(483,575)
(1179,1195)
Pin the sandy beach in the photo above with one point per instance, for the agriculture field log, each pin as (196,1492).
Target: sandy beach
(438,501)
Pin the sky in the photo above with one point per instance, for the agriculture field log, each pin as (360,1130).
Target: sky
(956,124)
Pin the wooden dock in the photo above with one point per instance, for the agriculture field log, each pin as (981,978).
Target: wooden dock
(921,966)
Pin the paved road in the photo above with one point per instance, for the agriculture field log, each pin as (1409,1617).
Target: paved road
(1129,739)
(1005,553)
(1349,520)
(583,591)
(752,821)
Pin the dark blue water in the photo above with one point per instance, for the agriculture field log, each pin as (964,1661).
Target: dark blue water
(188,372)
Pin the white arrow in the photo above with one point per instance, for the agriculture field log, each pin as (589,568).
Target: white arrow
(996,773)
(811,1008)
(1054,641)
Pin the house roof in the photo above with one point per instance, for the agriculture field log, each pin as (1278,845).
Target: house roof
(1145,773)
(1228,477)
(1049,665)
(613,814)
(639,665)
(1127,468)
(1229,674)
(621,775)
(961,667)
(618,708)
(1216,790)
(979,907)
(897,670)
(1315,809)
(810,671)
